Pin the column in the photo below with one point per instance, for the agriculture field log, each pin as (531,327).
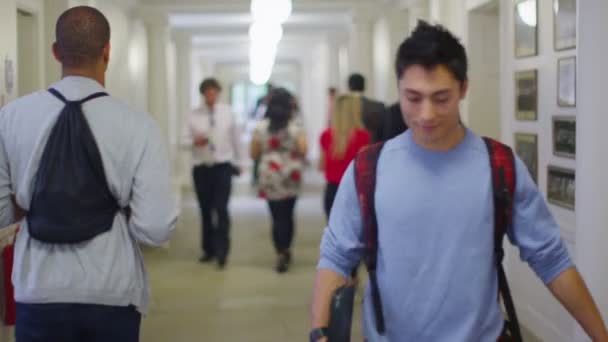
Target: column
(157,27)
(360,48)
(591,158)
(399,30)
(184,66)
(334,61)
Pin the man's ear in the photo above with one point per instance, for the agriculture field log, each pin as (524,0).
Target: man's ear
(56,53)
(106,53)
(464,88)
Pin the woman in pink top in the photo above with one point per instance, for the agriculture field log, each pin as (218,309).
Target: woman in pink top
(340,143)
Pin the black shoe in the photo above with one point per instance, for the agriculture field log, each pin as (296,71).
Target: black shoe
(283,262)
(221,263)
(206,258)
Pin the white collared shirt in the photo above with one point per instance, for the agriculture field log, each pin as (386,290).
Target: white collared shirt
(222,131)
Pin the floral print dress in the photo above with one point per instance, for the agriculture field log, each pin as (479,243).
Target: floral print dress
(280,167)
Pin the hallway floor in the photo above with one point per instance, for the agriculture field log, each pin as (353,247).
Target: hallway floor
(248,301)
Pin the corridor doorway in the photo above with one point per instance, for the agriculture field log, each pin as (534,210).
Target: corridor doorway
(28,52)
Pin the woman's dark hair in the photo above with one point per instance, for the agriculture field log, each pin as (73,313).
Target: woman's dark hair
(431,46)
(280,107)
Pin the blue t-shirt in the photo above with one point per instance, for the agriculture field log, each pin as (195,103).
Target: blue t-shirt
(436,269)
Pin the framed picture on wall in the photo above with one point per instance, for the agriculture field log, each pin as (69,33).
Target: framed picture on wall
(526,147)
(561,187)
(564,136)
(566,82)
(526,95)
(564,24)
(526,28)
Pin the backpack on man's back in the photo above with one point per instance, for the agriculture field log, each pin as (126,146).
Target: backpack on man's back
(71,201)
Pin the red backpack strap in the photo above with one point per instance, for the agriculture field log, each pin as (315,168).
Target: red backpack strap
(502,163)
(365,182)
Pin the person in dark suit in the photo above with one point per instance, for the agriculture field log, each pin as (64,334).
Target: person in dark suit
(373,112)
(393,123)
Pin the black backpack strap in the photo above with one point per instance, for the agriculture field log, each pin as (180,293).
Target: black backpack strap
(365,182)
(79,102)
(502,163)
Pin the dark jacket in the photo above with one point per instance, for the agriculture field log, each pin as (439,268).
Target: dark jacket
(373,116)
(394,123)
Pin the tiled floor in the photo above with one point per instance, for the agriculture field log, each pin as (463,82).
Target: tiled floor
(247,301)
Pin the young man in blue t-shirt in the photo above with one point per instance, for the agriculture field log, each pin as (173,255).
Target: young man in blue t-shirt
(434,205)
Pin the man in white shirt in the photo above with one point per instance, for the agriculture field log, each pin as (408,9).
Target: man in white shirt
(216,154)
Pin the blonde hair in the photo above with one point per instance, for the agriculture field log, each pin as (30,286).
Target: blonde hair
(346,119)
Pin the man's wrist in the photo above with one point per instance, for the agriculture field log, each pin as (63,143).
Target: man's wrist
(316,334)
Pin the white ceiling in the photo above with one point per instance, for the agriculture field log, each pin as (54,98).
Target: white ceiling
(219,28)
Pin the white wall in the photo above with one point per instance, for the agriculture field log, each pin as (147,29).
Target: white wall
(591,160)
(537,308)
(52,10)
(382,60)
(126,77)
(28,43)
(483,50)
(389,31)
(8,48)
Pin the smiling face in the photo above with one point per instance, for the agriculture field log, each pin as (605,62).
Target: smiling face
(430,99)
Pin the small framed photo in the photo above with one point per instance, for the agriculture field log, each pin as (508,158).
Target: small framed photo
(526,96)
(564,136)
(526,28)
(526,147)
(561,187)
(564,24)
(566,82)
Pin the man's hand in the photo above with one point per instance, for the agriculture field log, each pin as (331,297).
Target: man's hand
(236,170)
(200,140)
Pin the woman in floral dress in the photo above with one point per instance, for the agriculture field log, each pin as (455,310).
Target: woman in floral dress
(281,146)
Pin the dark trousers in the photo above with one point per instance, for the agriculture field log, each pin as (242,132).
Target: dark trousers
(76,323)
(328,199)
(282,223)
(213,185)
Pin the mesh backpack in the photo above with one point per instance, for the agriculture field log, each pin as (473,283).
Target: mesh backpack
(502,164)
(71,200)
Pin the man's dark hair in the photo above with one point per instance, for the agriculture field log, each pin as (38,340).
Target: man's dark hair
(81,33)
(209,83)
(431,46)
(356,82)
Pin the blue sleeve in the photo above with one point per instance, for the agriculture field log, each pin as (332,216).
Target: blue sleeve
(342,243)
(534,230)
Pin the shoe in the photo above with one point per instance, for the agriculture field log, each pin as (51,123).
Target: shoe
(283,262)
(206,258)
(221,263)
